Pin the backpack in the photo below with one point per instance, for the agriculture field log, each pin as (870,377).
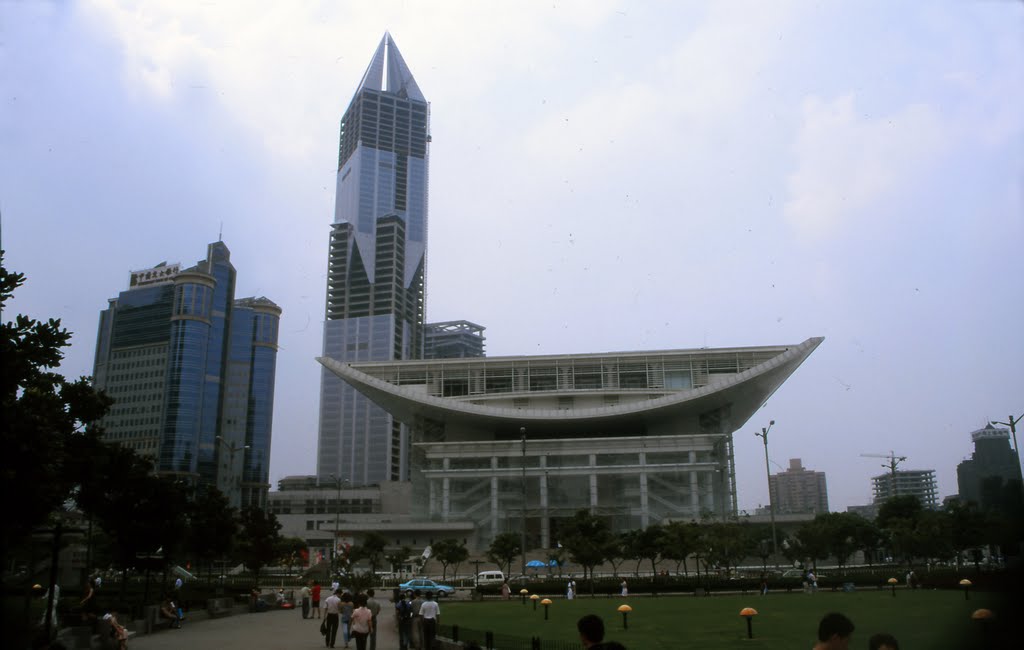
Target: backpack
(404,608)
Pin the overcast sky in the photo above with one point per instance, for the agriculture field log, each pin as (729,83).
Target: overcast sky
(603,176)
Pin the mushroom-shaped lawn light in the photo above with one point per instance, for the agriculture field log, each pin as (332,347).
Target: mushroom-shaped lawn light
(984,617)
(892,582)
(522,594)
(625,609)
(534,598)
(547,603)
(966,584)
(749,613)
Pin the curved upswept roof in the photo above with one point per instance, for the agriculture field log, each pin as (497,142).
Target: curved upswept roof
(744,392)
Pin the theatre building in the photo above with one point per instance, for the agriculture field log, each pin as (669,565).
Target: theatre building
(638,438)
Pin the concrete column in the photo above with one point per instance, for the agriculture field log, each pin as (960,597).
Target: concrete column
(545,522)
(694,492)
(494,496)
(593,481)
(645,515)
(446,494)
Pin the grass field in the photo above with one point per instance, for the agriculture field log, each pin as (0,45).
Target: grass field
(919,619)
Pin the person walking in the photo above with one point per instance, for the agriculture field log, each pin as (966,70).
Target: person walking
(315,597)
(403,612)
(361,622)
(305,593)
(346,617)
(430,612)
(625,588)
(373,605)
(332,612)
(417,621)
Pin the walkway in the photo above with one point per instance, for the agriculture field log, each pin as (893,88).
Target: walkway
(273,630)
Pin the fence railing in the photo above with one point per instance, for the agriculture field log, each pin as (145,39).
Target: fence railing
(491,641)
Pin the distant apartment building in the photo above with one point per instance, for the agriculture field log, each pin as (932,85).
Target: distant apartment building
(992,458)
(454,339)
(798,490)
(191,371)
(912,482)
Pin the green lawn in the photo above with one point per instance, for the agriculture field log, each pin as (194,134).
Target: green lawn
(919,619)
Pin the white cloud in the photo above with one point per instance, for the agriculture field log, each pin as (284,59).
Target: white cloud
(848,162)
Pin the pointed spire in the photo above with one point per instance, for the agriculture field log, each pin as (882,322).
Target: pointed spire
(399,78)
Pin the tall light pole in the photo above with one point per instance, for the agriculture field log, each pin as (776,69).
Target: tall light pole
(522,541)
(768,474)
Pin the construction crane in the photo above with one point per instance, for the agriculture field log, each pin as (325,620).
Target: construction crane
(893,463)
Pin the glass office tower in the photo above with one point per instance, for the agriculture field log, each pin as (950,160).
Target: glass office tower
(191,371)
(376,259)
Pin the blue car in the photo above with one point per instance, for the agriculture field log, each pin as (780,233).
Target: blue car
(425,585)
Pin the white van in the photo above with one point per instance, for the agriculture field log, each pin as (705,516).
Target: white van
(490,578)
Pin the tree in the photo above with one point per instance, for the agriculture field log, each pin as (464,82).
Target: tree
(814,541)
(398,557)
(503,549)
(144,514)
(586,536)
(843,533)
(727,543)
(450,551)
(967,528)
(258,540)
(289,550)
(678,541)
(646,545)
(372,550)
(898,518)
(212,527)
(42,412)
(618,550)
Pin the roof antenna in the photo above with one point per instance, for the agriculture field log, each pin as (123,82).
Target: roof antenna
(220,233)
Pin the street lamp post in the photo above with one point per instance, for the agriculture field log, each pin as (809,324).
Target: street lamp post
(522,541)
(1012,423)
(768,474)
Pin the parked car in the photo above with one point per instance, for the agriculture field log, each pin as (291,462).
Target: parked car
(425,585)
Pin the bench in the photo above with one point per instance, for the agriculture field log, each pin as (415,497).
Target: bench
(152,621)
(217,607)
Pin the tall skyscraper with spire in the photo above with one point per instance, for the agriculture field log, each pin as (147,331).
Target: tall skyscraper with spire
(375,269)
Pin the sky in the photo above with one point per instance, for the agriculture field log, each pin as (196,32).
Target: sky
(604,176)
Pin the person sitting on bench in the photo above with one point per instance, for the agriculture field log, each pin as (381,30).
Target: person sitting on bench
(170,612)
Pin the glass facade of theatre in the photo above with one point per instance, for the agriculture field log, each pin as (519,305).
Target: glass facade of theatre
(629,481)
(179,366)
(376,264)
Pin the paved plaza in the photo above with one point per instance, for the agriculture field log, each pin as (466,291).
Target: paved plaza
(273,630)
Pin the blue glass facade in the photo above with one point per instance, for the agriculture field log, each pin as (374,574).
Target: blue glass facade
(376,266)
(191,371)
(248,411)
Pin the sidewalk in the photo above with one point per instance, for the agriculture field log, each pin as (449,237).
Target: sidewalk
(273,630)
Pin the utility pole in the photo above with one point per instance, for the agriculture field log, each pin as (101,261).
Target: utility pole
(894,462)
(768,474)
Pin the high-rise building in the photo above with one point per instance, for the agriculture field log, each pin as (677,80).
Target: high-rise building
(376,265)
(911,482)
(992,458)
(454,339)
(191,371)
(798,490)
